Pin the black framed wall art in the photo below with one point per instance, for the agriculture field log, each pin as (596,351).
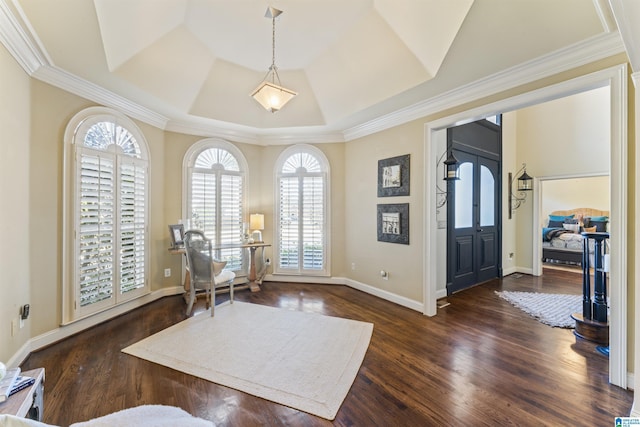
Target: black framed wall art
(393,223)
(393,176)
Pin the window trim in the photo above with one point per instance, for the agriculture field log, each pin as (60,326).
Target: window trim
(76,127)
(326,172)
(188,164)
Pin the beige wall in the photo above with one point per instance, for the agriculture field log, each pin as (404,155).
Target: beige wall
(15,150)
(404,263)
(562,194)
(560,138)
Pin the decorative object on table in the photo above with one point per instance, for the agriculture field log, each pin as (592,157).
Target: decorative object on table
(7,383)
(245,232)
(393,223)
(393,176)
(313,372)
(551,309)
(525,183)
(271,95)
(256,223)
(176,231)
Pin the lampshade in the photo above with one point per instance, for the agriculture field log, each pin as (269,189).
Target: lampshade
(256,222)
(271,96)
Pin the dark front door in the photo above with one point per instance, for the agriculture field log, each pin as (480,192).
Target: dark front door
(473,209)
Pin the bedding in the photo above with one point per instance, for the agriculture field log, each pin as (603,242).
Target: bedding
(562,241)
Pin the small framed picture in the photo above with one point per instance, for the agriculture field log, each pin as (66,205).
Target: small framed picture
(393,176)
(176,231)
(393,223)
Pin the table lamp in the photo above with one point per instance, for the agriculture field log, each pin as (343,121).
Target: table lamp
(256,223)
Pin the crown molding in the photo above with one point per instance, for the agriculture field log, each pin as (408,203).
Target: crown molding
(585,52)
(85,89)
(18,38)
(19,42)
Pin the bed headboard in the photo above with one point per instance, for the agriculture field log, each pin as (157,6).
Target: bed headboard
(582,212)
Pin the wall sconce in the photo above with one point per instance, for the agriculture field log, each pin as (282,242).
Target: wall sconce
(451,173)
(525,183)
(256,223)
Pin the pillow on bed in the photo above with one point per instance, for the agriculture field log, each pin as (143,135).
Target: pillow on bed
(572,221)
(572,227)
(555,224)
(599,218)
(560,217)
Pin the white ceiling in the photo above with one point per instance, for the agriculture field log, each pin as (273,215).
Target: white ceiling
(193,63)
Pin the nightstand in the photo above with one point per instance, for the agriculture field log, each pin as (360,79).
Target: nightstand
(27,403)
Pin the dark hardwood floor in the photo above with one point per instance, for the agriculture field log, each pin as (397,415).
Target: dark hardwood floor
(480,361)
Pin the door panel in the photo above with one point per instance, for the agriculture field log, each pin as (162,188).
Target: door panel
(473,209)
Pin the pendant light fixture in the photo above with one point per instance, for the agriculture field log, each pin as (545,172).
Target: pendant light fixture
(270,93)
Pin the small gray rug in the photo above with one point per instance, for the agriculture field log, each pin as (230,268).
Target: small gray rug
(551,309)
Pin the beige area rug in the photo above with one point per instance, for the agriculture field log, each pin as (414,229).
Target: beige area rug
(301,360)
(551,309)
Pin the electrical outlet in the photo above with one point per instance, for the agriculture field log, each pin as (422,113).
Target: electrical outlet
(14,327)
(167,272)
(384,274)
(353,266)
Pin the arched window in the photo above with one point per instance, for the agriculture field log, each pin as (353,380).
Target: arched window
(106,211)
(302,214)
(215,177)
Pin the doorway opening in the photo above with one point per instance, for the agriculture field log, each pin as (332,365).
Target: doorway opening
(435,263)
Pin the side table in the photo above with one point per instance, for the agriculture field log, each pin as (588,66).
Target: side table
(27,403)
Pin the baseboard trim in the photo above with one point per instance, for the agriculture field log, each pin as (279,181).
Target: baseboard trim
(65,331)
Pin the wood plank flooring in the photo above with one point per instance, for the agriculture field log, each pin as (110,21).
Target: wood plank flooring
(480,361)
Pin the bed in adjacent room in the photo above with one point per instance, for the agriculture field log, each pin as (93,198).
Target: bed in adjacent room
(562,242)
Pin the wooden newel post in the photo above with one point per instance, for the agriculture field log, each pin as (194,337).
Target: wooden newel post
(586,279)
(592,324)
(599,278)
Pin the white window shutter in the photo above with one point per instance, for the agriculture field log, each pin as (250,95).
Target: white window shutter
(95,237)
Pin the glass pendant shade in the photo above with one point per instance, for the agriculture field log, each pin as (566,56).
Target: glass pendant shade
(271,96)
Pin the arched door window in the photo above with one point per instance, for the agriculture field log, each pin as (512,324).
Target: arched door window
(302,220)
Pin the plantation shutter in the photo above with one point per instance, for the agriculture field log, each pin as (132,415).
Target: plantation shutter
(95,236)
(312,224)
(289,231)
(132,225)
(231,218)
(203,203)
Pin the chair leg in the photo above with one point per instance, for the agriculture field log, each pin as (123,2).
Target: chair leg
(231,292)
(213,298)
(192,298)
